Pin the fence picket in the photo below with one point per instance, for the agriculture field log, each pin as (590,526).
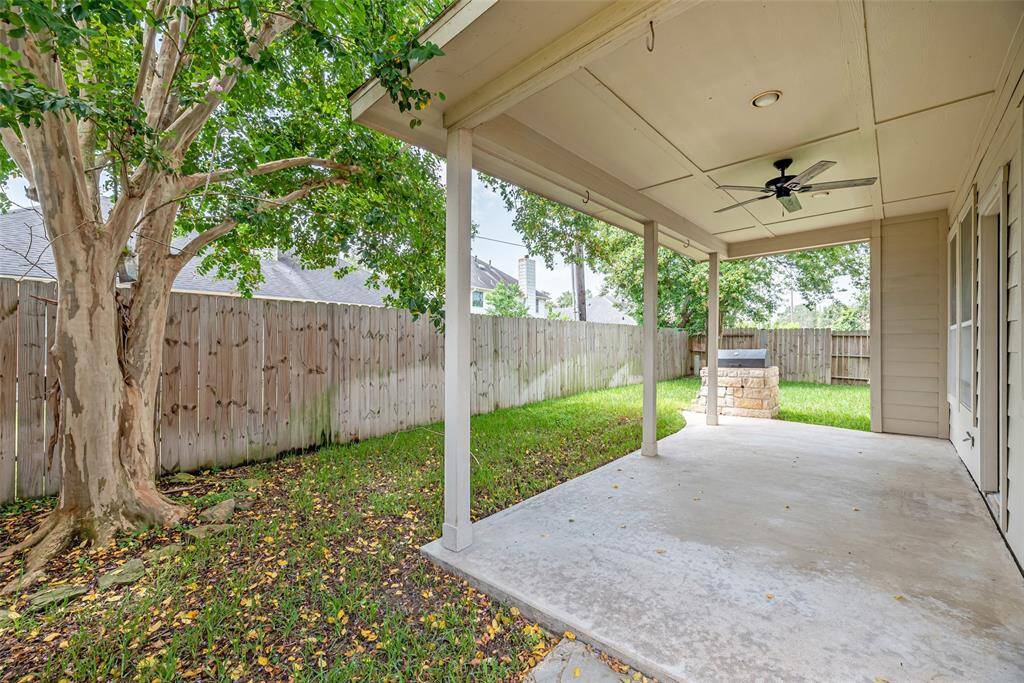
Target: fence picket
(8,387)
(244,380)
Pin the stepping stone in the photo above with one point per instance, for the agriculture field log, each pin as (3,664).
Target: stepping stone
(50,596)
(569,661)
(157,554)
(130,572)
(182,478)
(219,513)
(244,504)
(208,530)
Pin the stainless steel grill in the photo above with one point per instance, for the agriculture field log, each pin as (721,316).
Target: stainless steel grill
(743,358)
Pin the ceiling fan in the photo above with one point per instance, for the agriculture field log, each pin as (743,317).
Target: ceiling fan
(785,186)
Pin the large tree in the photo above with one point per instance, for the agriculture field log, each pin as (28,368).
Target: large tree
(224,122)
(749,290)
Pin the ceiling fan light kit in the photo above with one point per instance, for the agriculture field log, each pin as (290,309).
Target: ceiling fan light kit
(784,187)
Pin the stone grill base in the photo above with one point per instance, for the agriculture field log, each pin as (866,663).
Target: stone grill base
(746,392)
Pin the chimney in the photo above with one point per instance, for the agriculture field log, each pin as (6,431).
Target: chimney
(528,282)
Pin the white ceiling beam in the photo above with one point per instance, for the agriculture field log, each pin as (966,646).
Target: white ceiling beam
(853,32)
(507,137)
(602,33)
(799,241)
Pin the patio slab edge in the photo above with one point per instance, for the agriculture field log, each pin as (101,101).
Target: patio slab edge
(545,617)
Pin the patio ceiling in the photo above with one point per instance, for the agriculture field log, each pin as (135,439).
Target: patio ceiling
(566,100)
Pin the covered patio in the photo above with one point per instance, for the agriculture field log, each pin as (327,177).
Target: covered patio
(766,549)
(755,549)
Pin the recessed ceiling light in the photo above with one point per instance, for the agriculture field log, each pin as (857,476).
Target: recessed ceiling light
(766,99)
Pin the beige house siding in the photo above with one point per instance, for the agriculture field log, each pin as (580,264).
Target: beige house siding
(1014,517)
(998,149)
(913,336)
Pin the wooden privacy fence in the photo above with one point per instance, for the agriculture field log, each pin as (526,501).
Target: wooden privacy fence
(246,379)
(803,355)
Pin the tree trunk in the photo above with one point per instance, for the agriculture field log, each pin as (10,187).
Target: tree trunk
(108,373)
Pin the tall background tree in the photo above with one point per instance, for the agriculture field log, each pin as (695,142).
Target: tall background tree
(749,290)
(135,121)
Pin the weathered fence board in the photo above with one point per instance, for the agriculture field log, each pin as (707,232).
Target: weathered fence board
(851,357)
(243,380)
(8,386)
(820,355)
(32,387)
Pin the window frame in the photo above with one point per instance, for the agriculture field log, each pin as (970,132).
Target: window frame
(966,321)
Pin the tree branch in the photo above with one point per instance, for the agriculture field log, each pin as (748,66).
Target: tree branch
(184,129)
(205,238)
(191,182)
(19,154)
(156,10)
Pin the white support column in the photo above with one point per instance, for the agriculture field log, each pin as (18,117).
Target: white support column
(875,328)
(649,442)
(711,413)
(457,532)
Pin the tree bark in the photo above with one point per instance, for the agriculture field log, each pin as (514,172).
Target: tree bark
(107,354)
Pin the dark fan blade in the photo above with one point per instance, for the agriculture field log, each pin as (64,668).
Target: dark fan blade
(838,185)
(744,188)
(790,203)
(814,170)
(749,201)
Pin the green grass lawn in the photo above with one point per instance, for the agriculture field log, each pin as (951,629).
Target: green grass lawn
(322,579)
(837,405)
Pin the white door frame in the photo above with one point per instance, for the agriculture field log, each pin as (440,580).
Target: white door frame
(993,212)
(963,427)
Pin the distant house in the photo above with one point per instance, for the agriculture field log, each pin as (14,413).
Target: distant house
(485,277)
(25,252)
(600,309)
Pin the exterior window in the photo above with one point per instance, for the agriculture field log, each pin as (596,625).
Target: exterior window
(478,299)
(966,336)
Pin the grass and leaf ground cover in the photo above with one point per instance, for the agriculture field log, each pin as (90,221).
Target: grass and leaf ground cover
(320,578)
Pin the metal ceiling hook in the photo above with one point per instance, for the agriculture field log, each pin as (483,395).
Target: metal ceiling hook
(650,39)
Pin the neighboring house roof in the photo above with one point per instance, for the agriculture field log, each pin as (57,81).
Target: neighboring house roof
(600,309)
(23,242)
(487,276)
(22,233)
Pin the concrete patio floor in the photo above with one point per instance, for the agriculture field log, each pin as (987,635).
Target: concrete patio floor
(766,549)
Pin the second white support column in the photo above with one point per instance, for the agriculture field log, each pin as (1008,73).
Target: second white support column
(457,532)
(712,337)
(649,441)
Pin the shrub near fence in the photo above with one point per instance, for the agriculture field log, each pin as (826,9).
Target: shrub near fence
(817,355)
(246,379)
